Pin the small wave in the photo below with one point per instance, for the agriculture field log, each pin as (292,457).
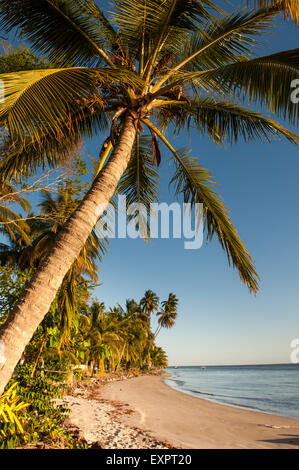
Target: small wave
(229,401)
(201,393)
(176,381)
(244,397)
(179,382)
(242,405)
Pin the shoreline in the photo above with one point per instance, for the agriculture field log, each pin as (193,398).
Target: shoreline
(194,422)
(239,407)
(145,412)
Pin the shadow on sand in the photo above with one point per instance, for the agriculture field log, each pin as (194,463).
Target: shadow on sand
(292,439)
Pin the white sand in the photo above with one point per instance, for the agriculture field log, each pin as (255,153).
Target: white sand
(102,421)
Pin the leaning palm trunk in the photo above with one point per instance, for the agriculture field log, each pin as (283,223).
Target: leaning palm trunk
(41,290)
(157,331)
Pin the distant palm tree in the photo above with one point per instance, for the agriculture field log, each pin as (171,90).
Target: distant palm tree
(176,64)
(96,311)
(149,303)
(159,357)
(135,333)
(43,231)
(168,315)
(132,307)
(101,333)
(137,344)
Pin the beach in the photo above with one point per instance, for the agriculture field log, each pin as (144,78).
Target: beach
(144,412)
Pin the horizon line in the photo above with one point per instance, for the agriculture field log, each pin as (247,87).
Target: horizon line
(234,365)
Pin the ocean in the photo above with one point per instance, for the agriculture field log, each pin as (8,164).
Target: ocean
(268,388)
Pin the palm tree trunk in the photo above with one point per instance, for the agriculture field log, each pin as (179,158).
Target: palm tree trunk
(120,358)
(38,356)
(38,295)
(157,331)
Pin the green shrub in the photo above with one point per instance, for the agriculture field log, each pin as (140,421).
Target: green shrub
(43,418)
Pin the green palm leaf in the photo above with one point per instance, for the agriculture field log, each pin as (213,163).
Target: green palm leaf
(42,101)
(263,80)
(223,40)
(20,159)
(12,223)
(197,185)
(143,22)
(70,32)
(38,101)
(291,7)
(225,121)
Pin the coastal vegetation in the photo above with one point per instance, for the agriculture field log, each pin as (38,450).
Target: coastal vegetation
(73,345)
(130,79)
(79,338)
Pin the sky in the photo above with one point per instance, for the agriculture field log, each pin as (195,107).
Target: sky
(219,321)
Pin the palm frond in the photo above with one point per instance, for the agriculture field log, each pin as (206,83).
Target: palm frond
(70,32)
(263,80)
(20,159)
(10,195)
(36,101)
(104,29)
(143,21)
(177,19)
(95,248)
(12,223)
(196,184)
(44,100)
(291,7)
(224,121)
(223,40)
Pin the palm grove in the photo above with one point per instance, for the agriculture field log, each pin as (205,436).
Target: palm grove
(145,68)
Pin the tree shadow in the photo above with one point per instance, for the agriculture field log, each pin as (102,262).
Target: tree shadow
(292,439)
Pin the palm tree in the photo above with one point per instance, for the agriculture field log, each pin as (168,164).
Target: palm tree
(104,334)
(152,65)
(43,230)
(136,343)
(134,332)
(149,303)
(168,315)
(159,358)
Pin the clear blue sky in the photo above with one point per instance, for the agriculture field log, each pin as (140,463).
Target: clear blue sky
(219,322)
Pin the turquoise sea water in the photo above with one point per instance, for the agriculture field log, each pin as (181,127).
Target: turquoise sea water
(268,388)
